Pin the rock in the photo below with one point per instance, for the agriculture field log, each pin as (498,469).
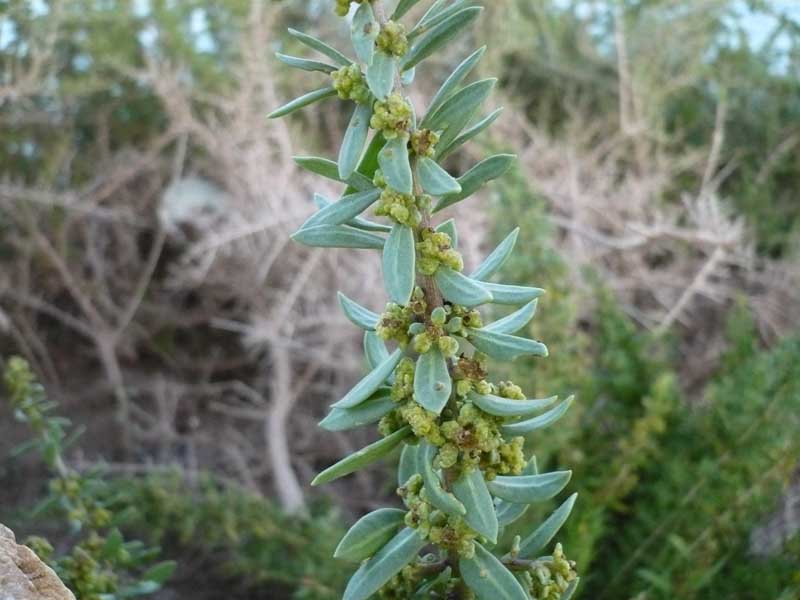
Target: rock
(23,576)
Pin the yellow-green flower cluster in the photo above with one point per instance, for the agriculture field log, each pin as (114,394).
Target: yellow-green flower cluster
(436,249)
(400,208)
(392,116)
(343,6)
(470,374)
(424,423)
(350,84)
(392,39)
(403,386)
(394,323)
(423,142)
(402,585)
(87,570)
(510,390)
(549,579)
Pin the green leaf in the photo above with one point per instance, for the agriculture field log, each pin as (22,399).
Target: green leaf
(140,588)
(338,236)
(434,179)
(432,383)
(570,591)
(160,573)
(449,227)
(344,210)
(363,457)
(505,407)
(369,162)
(535,542)
(358,315)
(429,21)
(380,74)
(321,47)
(393,160)
(364,30)
(112,544)
(524,489)
(439,36)
(409,464)
(399,264)
(388,562)
(460,289)
(369,384)
(548,418)
(305,64)
(471,490)
(471,181)
(402,8)
(497,258)
(354,139)
(328,168)
(503,346)
(512,294)
(369,411)
(458,110)
(468,134)
(369,534)
(515,321)
(375,349)
(439,497)
(424,591)
(451,84)
(488,577)
(302,102)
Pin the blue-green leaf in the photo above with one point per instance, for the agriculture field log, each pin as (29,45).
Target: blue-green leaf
(449,227)
(365,456)
(460,289)
(432,18)
(515,321)
(570,591)
(302,102)
(432,383)
(471,181)
(321,47)
(409,464)
(505,407)
(489,578)
(434,179)
(450,86)
(508,512)
(357,222)
(380,74)
(369,384)
(468,134)
(548,418)
(503,346)
(535,542)
(439,35)
(358,315)
(338,236)
(375,349)
(328,168)
(512,294)
(388,562)
(439,497)
(471,490)
(354,139)
(407,78)
(344,210)
(369,534)
(159,573)
(525,489)
(497,258)
(305,64)
(457,111)
(393,159)
(369,411)
(369,162)
(364,30)
(402,8)
(399,264)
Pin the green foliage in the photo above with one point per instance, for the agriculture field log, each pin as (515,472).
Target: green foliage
(462,461)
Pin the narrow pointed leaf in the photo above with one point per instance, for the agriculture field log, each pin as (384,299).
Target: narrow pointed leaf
(489,578)
(548,418)
(432,383)
(407,78)
(424,592)
(362,458)
(508,512)
(474,131)
(449,227)
(428,22)
(497,258)
(434,179)
(321,47)
(471,181)
(358,315)
(369,384)
(364,29)
(302,102)
(344,210)
(393,160)
(380,74)
(570,591)
(369,162)
(512,294)
(369,411)
(402,8)
(460,289)
(354,139)
(525,489)
(338,236)
(388,562)
(515,321)
(328,168)
(439,497)
(439,36)
(369,534)
(409,464)
(471,490)
(399,264)
(505,407)
(374,349)
(450,86)
(503,346)
(458,110)
(305,64)
(536,542)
